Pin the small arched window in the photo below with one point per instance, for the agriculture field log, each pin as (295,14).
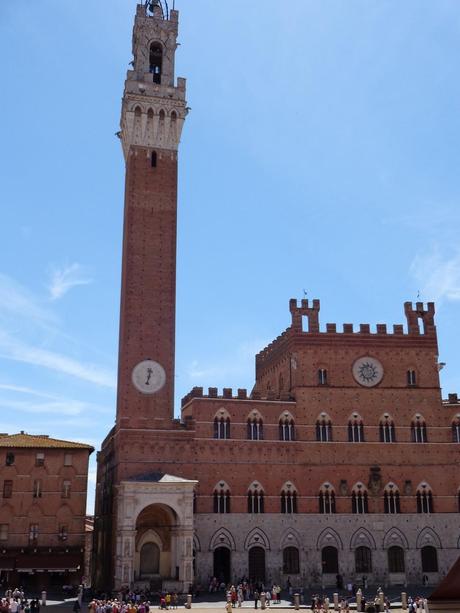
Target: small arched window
(288,499)
(221,498)
(355,429)
(418,430)
(359,501)
(326,499)
(153,159)
(255,428)
(286,428)
(222,427)
(456,429)
(256,499)
(156,61)
(322,376)
(396,563)
(323,429)
(411,378)
(387,430)
(429,559)
(391,500)
(424,499)
(9,459)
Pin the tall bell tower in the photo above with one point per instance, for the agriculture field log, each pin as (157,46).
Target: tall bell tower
(153,114)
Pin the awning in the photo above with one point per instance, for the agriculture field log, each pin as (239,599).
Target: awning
(50,563)
(7,563)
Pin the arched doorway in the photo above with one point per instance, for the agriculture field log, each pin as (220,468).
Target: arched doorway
(149,560)
(330,560)
(156,527)
(222,564)
(257,564)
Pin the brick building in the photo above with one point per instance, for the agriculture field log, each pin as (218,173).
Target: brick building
(342,460)
(42,510)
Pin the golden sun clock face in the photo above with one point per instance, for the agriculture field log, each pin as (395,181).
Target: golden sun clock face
(148,377)
(367,371)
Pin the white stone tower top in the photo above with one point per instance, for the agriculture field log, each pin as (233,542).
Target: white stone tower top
(154,106)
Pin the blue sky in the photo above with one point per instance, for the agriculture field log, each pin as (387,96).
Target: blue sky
(322,153)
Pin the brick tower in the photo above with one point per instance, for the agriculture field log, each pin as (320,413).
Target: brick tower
(153,114)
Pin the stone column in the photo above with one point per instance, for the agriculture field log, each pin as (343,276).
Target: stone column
(184,547)
(125,558)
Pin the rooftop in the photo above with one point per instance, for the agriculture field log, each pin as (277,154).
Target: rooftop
(42,441)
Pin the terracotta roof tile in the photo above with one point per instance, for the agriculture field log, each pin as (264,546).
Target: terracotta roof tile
(41,441)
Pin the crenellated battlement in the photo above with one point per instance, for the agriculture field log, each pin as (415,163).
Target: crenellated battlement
(228,394)
(305,321)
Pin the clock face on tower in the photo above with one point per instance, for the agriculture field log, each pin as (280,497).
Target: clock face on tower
(148,377)
(368,371)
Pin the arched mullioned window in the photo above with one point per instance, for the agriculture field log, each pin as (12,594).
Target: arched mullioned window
(355,429)
(326,499)
(256,498)
(359,502)
(222,426)
(286,428)
(221,498)
(323,428)
(391,500)
(156,61)
(387,429)
(456,429)
(424,499)
(418,430)
(288,499)
(255,427)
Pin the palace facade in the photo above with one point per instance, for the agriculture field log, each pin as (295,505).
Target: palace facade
(341,461)
(44,483)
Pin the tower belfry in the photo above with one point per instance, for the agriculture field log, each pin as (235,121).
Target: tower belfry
(153,114)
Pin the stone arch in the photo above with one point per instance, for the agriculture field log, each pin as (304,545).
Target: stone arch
(394,536)
(290,538)
(222,413)
(362,538)
(196,543)
(286,415)
(255,414)
(288,487)
(257,538)
(428,536)
(222,538)
(150,536)
(329,537)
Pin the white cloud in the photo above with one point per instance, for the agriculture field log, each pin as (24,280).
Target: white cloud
(15,349)
(240,363)
(439,276)
(18,302)
(64,279)
(43,402)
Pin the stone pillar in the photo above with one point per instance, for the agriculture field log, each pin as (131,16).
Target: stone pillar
(262,600)
(404,601)
(336,601)
(184,556)
(359,596)
(296,601)
(125,558)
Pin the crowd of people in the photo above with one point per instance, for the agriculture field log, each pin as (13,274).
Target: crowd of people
(15,601)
